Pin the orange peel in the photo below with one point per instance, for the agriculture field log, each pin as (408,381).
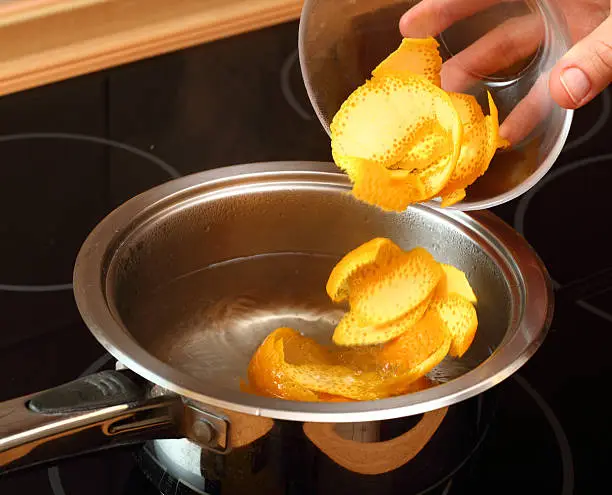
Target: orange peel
(351,331)
(389,292)
(413,56)
(370,385)
(390,190)
(267,370)
(480,143)
(407,313)
(454,281)
(403,121)
(417,344)
(373,125)
(452,198)
(459,316)
(366,254)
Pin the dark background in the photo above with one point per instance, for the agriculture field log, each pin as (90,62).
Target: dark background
(242,100)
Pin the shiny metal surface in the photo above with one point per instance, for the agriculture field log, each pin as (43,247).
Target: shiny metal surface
(341,41)
(126,414)
(156,284)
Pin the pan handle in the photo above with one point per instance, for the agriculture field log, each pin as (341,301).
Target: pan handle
(106,409)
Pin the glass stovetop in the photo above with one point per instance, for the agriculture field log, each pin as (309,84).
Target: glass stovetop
(73,151)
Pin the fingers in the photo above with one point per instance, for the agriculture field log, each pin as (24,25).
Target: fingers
(530,112)
(511,42)
(585,70)
(431,17)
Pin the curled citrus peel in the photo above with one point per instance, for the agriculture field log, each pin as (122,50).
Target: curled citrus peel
(407,313)
(459,316)
(352,331)
(373,124)
(369,253)
(401,120)
(413,56)
(382,294)
(454,281)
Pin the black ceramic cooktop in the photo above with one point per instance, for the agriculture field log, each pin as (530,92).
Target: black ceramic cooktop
(72,151)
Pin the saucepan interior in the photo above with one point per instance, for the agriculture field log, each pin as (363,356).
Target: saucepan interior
(184,282)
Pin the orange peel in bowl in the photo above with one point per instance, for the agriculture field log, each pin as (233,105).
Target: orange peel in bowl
(454,197)
(373,123)
(480,142)
(402,120)
(430,148)
(413,56)
(390,190)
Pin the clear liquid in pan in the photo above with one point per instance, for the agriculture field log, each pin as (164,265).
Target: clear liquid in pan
(215,318)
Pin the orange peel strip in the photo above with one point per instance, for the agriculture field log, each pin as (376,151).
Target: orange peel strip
(459,315)
(453,198)
(373,123)
(351,331)
(416,344)
(386,294)
(480,142)
(390,190)
(454,281)
(474,149)
(267,373)
(355,384)
(369,253)
(413,56)
(431,148)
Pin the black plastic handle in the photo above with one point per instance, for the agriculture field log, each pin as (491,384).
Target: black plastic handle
(107,409)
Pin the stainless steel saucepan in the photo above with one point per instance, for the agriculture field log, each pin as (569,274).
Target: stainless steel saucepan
(181,284)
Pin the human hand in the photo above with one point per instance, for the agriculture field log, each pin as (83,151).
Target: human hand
(576,79)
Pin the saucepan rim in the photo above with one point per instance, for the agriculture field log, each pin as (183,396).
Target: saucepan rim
(530,286)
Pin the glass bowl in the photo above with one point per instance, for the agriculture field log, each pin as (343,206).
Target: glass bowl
(508,48)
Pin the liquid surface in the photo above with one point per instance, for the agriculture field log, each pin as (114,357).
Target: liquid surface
(214,319)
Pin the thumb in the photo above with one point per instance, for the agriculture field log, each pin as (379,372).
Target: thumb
(585,70)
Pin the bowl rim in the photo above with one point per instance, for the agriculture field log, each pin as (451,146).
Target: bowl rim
(534,290)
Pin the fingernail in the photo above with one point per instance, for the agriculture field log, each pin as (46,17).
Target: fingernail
(576,83)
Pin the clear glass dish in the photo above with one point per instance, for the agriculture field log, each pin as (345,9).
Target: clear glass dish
(506,47)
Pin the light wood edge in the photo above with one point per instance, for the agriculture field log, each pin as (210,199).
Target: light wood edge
(24,10)
(377,457)
(87,54)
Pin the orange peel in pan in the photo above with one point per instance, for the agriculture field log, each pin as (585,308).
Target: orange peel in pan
(416,344)
(379,295)
(402,120)
(350,331)
(454,281)
(356,384)
(267,372)
(407,313)
(459,316)
(369,253)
